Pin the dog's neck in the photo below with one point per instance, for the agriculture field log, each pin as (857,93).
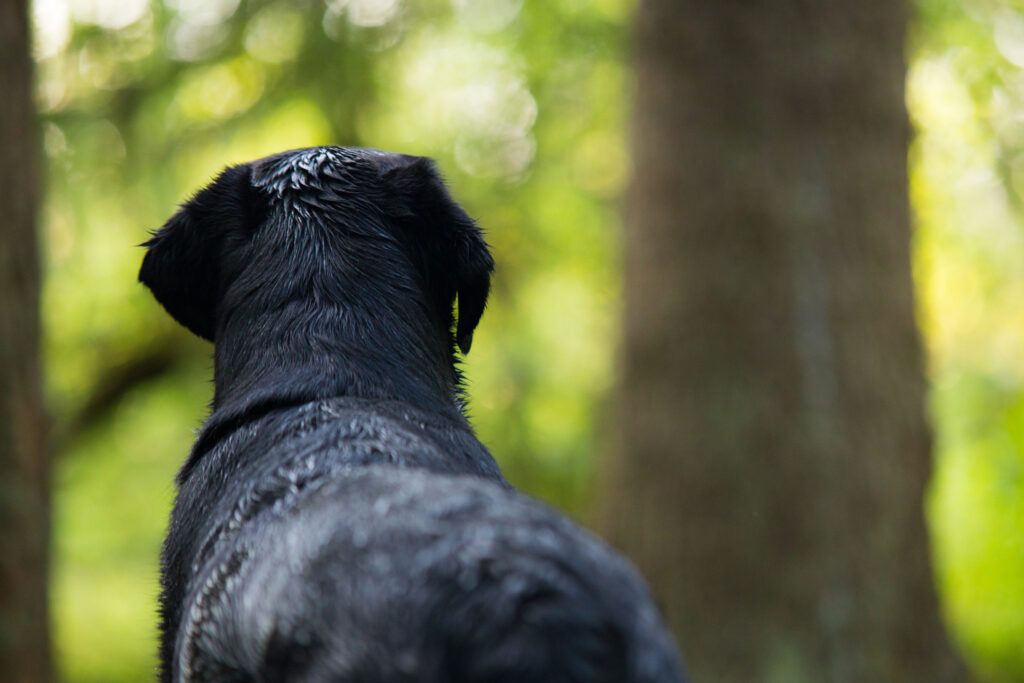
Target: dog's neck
(306,350)
(262,365)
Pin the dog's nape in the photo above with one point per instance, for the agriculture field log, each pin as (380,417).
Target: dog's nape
(183,263)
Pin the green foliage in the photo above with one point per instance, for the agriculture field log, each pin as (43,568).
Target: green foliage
(114,492)
(524,104)
(965,97)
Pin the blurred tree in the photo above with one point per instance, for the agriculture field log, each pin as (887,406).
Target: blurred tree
(773,450)
(24,516)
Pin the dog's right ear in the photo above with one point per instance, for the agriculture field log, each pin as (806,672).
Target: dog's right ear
(183,258)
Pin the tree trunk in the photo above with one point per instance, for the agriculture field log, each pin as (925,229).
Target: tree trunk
(24,502)
(772,449)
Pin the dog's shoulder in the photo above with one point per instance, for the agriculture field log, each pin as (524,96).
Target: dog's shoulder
(288,447)
(273,456)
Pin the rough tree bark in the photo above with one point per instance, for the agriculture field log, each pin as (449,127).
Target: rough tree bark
(772,448)
(24,515)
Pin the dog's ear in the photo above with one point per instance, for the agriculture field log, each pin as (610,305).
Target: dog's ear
(473,280)
(466,262)
(183,258)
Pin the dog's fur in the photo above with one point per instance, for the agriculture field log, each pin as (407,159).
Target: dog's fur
(337,520)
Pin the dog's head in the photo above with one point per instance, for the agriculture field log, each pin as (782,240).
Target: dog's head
(312,221)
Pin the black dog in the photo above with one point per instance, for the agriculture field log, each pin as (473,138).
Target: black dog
(337,520)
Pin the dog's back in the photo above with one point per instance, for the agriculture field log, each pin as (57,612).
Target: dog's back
(337,519)
(319,563)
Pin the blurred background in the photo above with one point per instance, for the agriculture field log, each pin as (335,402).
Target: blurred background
(525,105)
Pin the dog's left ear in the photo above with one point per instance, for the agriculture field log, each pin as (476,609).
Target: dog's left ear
(423,198)
(182,266)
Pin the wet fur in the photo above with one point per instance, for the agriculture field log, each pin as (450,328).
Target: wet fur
(337,519)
